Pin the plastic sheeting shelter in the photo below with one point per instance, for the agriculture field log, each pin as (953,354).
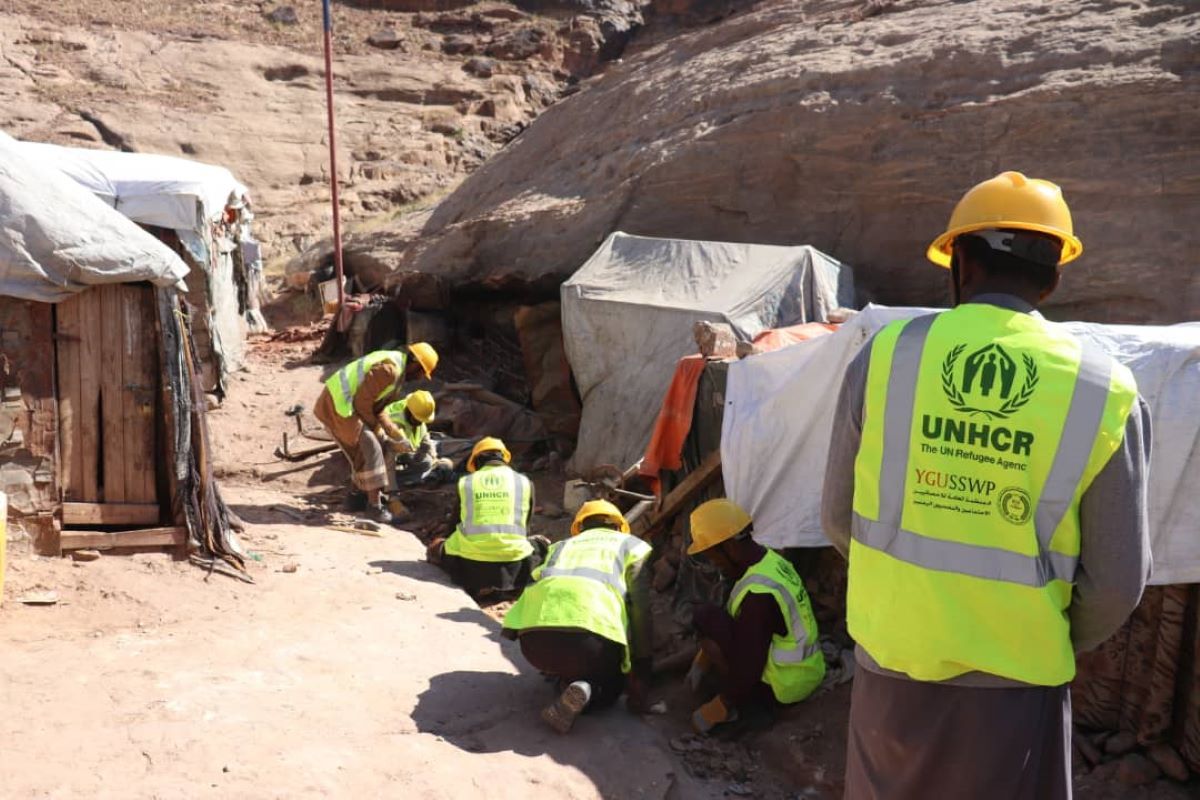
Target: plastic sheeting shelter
(188,200)
(164,191)
(628,314)
(779,410)
(57,238)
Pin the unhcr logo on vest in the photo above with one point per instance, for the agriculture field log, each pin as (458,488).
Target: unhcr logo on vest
(986,383)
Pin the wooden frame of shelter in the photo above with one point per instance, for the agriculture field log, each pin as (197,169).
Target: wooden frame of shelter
(107,445)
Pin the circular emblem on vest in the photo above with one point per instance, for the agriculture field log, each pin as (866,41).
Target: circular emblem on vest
(1014,505)
(985,383)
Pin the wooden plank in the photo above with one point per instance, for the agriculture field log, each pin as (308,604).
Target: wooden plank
(708,471)
(149,395)
(88,412)
(110,513)
(138,389)
(112,393)
(67,346)
(106,540)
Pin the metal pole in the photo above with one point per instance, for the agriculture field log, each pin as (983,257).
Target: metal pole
(333,179)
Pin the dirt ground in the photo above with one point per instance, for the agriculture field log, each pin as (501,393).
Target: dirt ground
(348,668)
(362,673)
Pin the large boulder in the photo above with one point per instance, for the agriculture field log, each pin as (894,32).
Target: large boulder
(854,127)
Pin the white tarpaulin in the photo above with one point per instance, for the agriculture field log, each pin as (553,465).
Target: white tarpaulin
(57,238)
(779,411)
(152,189)
(628,315)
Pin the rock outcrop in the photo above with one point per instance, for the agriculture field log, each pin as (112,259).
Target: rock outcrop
(419,105)
(853,127)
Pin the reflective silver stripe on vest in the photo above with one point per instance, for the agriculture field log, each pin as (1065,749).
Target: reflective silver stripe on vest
(1084,416)
(615,579)
(517,528)
(804,649)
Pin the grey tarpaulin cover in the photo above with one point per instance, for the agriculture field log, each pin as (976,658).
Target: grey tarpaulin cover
(152,189)
(628,314)
(57,238)
(779,410)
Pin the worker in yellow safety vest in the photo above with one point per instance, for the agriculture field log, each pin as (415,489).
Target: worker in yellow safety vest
(987,482)
(762,646)
(350,407)
(414,454)
(585,620)
(491,551)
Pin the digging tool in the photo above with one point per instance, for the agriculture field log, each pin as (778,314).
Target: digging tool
(297,412)
(288,454)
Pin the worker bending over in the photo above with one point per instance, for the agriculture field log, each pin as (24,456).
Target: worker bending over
(491,551)
(350,408)
(414,453)
(987,482)
(762,647)
(585,620)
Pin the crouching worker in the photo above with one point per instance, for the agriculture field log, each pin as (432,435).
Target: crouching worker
(585,620)
(490,551)
(350,408)
(761,648)
(414,454)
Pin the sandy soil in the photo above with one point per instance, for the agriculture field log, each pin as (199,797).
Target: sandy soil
(360,674)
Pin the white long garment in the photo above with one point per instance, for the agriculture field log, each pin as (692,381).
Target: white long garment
(779,411)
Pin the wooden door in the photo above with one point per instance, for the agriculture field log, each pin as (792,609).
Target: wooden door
(108,394)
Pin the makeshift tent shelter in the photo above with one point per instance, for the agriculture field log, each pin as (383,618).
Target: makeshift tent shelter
(778,411)
(628,315)
(102,437)
(200,210)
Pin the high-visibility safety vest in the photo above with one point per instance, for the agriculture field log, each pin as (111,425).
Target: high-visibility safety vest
(982,429)
(343,384)
(414,433)
(494,504)
(795,665)
(582,586)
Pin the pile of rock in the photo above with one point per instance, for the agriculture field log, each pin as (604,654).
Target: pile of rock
(1106,755)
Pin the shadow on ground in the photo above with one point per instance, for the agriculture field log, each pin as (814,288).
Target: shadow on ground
(490,712)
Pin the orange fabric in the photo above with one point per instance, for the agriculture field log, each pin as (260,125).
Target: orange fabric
(777,338)
(665,450)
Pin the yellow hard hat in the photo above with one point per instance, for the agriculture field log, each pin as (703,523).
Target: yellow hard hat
(426,356)
(599,508)
(485,445)
(716,521)
(420,404)
(1010,201)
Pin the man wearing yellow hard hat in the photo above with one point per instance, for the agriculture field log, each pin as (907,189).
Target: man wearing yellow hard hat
(414,453)
(491,550)
(987,482)
(585,620)
(350,407)
(762,647)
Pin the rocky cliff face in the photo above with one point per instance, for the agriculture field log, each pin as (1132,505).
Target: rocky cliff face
(854,127)
(422,98)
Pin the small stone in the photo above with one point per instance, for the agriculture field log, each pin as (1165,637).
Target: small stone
(405,596)
(1120,743)
(1135,769)
(480,67)
(1089,751)
(386,39)
(680,744)
(85,555)
(46,598)
(283,15)
(291,566)
(458,46)
(1169,761)
(739,789)
(658,708)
